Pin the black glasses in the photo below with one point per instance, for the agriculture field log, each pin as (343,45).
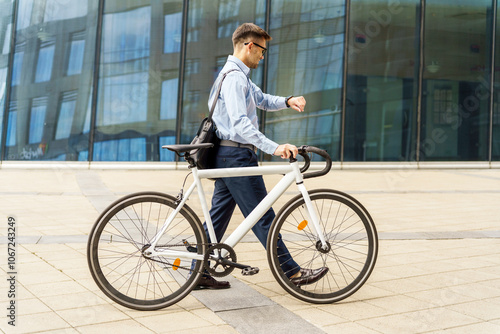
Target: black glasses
(263,48)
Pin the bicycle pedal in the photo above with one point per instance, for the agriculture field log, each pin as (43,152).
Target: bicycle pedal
(248,271)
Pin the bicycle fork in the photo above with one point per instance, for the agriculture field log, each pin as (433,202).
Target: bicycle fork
(310,207)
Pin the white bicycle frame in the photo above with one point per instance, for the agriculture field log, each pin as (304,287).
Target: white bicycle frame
(291,173)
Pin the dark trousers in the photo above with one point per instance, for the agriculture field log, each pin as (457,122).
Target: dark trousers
(246,192)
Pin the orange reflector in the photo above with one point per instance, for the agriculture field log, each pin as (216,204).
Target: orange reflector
(176,264)
(302,225)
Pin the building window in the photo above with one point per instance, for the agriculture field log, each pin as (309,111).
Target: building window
(173,32)
(12,125)
(37,119)
(66,114)
(17,64)
(45,60)
(77,48)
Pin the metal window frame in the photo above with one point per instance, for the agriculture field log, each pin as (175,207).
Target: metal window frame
(8,79)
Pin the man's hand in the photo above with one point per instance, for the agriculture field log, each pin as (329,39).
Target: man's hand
(286,150)
(298,103)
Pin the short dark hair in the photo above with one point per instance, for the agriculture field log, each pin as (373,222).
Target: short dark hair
(249,30)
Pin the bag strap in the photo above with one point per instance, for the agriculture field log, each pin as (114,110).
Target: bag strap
(216,97)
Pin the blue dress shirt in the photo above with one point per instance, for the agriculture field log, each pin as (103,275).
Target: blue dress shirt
(235,113)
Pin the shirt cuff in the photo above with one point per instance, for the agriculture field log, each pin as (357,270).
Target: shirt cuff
(269,147)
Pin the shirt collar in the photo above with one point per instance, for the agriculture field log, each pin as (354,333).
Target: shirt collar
(240,64)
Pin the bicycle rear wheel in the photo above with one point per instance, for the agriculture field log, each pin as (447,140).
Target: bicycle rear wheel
(352,245)
(115,251)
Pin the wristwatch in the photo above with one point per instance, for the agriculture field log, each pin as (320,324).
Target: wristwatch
(286,100)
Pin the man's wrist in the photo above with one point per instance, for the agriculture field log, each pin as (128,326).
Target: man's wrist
(286,101)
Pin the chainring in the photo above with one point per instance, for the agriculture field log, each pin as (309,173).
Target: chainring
(216,267)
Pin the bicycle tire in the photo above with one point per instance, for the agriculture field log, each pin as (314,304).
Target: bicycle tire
(352,237)
(123,231)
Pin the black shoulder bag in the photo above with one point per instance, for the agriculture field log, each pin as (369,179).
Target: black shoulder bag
(205,157)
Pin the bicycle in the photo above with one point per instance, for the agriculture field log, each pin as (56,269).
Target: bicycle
(148,250)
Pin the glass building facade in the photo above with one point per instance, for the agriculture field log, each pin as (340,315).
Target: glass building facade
(384,80)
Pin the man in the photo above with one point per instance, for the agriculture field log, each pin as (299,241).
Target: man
(237,126)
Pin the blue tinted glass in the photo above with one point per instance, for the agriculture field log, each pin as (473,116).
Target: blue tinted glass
(167,155)
(37,120)
(24,13)
(382,81)
(207,51)
(16,68)
(11,128)
(44,64)
(138,79)
(457,66)
(64,10)
(124,99)
(126,37)
(307,61)
(169,90)
(76,57)
(52,37)
(121,150)
(173,33)
(6,38)
(66,114)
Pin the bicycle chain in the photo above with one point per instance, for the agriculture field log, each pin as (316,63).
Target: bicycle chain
(171,264)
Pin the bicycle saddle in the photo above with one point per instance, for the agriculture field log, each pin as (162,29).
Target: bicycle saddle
(186,147)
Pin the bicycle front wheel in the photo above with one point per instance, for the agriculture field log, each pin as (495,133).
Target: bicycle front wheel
(352,245)
(119,265)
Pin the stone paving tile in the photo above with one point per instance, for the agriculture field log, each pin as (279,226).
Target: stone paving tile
(73,300)
(478,310)
(222,329)
(173,322)
(88,315)
(479,328)
(348,328)
(32,306)
(122,326)
(418,322)
(55,288)
(36,323)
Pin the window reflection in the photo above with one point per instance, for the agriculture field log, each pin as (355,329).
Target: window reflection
(45,59)
(64,10)
(11,125)
(382,78)
(138,79)
(6,39)
(17,64)
(47,108)
(66,114)
(76,52)
(315,31)
(25,8)
(454,111)
(37,119)
(208,46)
(169,99)
(173,33)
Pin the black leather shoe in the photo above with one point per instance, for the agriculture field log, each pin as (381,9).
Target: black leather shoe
(309,276)
(208,282)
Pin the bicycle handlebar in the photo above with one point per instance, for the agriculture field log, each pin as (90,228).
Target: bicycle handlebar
(303,150)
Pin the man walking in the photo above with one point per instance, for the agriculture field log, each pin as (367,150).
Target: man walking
(237,126)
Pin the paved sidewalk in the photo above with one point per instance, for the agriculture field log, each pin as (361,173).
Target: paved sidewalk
(438,268)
